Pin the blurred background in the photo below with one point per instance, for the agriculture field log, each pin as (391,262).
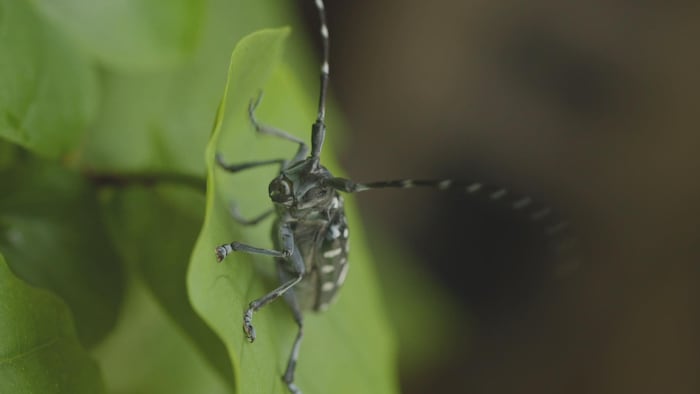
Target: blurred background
(590,106)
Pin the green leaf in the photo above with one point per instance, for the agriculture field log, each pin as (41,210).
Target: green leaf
(52,234)
(150,34)
(48,92)
(9,154)
(148,354)
(39,351)
(160,120)
(155,229)
(348,349)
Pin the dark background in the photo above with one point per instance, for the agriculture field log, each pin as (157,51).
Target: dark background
(591,106)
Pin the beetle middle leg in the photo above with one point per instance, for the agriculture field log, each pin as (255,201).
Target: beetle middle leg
(254,306)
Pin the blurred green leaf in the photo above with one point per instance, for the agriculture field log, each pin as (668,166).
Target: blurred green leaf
(52,234)
(148,354)
(39,351)
(348,349)
(48,92)
(160,120)
(155,229)
(152,34)
(9,153)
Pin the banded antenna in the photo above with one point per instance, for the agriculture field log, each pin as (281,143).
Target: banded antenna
(318,130)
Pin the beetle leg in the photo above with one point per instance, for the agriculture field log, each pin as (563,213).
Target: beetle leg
(288,376)
(224,250)
(264,300)
(240,219)
(269,130)
(251,164)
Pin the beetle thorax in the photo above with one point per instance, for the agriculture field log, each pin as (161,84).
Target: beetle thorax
(301,190)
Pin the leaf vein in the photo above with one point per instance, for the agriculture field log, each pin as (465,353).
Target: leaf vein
(35,349)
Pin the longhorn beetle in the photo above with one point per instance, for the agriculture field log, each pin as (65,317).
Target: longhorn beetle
(311,247)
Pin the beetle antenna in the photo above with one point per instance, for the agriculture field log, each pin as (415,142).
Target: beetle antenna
(318,130)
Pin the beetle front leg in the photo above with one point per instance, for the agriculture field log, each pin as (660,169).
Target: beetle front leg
(226,249)
(289,253)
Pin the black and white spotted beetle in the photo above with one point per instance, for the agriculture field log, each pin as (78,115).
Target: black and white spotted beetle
(312,245)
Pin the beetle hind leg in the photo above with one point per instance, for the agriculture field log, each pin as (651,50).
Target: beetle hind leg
(288,376)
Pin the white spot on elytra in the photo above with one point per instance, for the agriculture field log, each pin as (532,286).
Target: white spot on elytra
(346,232)
(319,4)
(325,68)
(406,183)
(327,269)
(332,253)
(327,286)
(335,231)
(343,274)
(324,31)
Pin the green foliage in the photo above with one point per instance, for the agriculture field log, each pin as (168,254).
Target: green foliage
(353,333)
(45,211)
(48,92)
(153,34)
(110,206)
(39,351)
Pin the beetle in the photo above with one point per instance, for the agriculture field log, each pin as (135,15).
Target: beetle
(310,231)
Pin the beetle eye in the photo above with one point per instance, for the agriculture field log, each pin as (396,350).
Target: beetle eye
(280,190)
